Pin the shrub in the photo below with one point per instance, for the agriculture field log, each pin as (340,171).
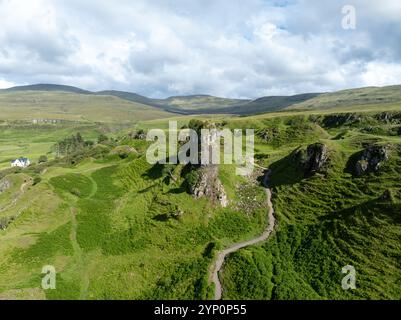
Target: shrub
(102,138)
(192,178)
(42,159)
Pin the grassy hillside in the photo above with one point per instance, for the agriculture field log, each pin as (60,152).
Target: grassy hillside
(198,103)
(355,98)
(269,104)
(33,140)
(29,105)
(109,225)
(116,227)
(327,221)
(47,87)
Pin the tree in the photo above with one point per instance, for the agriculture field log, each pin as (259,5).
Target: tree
(102,138)
(70,145)
(79,139)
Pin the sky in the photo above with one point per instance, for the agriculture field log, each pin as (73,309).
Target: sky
(228,48)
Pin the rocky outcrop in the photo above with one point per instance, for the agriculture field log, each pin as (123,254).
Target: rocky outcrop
(4,222)
(313,159)
(4,185)
(371,159)
(203,181)
(123,151)
(140,135)
(338,120)
(268,134)
(209,185)
(389,117)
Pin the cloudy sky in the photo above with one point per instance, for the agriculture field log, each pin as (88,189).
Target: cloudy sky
(230,48)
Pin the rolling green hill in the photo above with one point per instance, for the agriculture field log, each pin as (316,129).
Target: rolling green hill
(72,106)
(116,227)
(269,104)
(47,87)
(357,98)
(353,99)
(202,103)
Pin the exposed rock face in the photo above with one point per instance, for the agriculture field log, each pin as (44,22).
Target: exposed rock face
(268,134)
(314,158)
(140,135)
(371,159)
(337,120)
(389,117)
(4,185)
(209,185)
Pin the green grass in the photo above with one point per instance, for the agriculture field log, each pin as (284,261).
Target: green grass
(355,98)
(79,184)
(67,106)
(326,222)
(120,234)
(29,140)
(110,228)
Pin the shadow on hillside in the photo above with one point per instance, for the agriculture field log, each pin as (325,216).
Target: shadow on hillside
(147,189)
(351,163)
(369,213)
(161,218)
(154,173)
(285,171)
(181,189)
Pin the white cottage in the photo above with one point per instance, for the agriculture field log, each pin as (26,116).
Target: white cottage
(21,162)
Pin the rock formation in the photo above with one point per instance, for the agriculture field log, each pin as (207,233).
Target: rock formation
(209,185)
(4,185)
(313,159)
(205,181)
(371,159)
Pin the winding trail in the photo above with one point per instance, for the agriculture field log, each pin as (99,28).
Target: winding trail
(265,235)
(17,196)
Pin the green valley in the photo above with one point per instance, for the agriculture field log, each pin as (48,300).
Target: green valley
(116,227)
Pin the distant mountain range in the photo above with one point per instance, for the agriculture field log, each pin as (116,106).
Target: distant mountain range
(192,104)
(206,104)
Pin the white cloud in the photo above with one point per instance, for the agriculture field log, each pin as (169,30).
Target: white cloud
(221,47)
(381,74)
(6,84)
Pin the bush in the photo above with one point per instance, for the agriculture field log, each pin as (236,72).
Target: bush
(102,138)
(42,159)
(192,178)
